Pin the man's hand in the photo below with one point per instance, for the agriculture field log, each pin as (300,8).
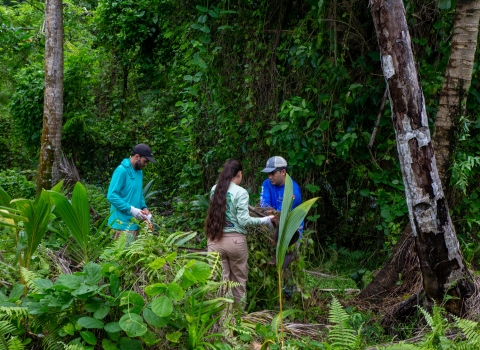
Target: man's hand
(137,213)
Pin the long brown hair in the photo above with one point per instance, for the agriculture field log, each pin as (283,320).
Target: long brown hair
(215,221)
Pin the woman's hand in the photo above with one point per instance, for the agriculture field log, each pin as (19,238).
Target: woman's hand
(267,220)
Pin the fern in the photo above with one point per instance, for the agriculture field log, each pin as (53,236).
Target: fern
(15,344)
(29,278)
(470,330)
(439,326)
(13,313)
(5,329)
(341,335)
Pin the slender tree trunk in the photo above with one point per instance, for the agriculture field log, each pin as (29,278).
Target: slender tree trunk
(48,169)
(441,262)
(457,81)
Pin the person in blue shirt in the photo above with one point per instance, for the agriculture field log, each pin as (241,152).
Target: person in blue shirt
(274,186)
(125,192)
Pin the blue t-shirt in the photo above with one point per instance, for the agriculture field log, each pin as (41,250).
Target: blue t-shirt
(272,197)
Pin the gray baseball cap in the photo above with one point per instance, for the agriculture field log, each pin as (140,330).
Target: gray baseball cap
(274,163)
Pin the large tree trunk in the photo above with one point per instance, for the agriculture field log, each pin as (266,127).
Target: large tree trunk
(441,263)
(452,103)
(457,81)
(48,169)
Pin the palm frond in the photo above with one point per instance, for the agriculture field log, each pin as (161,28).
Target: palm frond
(200,203)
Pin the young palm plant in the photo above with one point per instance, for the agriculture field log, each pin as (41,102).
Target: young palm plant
(76,217)
(289,223)
(29,220)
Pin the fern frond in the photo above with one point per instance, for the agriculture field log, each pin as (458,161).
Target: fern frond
(15,344)
(13,313)
(5,329)
(29,278)
(471,331)
(341,335)
(427,316)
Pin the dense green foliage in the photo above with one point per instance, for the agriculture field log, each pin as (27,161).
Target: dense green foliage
(202,82)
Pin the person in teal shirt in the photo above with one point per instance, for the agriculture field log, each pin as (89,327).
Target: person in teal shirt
(125,192)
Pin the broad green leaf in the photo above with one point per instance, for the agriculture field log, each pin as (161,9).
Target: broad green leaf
(202,8)
(365,192)
(17,291)
(155,289)
(93,304)
(5,198)
(170,257)
(84,289)
(89,337)
(175,292)
(201,271)
(108,344)
(150,338)
(112,327)
(294,219)
(90,322)
(75,215)
(133,301)
(153,320)
(174,337)
(276,320)
(162,306)
(37,214)
(444,4)
(69,281)
(158,263)
(69,329)
(114,285)
(133,325)
(93,273)
(286,206)
(102,312)
(129,344)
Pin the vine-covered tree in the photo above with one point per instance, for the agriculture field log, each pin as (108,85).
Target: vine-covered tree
(48,170)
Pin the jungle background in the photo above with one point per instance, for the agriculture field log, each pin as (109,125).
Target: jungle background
(202,82)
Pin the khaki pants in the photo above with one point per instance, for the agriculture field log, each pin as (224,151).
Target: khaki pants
(233,250)
(119,232)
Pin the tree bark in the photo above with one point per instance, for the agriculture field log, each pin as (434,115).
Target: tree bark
(48,169)
(441,262)
(452,103)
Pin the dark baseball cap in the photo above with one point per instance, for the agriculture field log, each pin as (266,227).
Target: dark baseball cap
(143,150)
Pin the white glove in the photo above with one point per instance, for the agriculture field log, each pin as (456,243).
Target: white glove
(149,218)
(267,220)
(137,213)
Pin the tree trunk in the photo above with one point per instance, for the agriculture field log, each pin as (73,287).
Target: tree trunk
(457,81)
(48,169)
(441,262)
(452,102)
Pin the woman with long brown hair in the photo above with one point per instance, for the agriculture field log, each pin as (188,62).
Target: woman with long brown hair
(225,225)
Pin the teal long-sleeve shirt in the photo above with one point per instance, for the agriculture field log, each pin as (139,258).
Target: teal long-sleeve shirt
(237,214)
(125,190)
